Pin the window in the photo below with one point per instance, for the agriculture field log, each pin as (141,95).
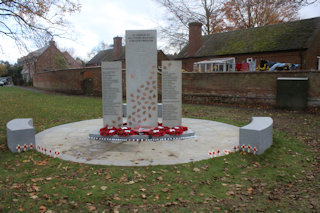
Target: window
(203,68)
(209,68)
(215,65)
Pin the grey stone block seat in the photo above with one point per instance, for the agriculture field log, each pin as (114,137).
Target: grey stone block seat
(257,134)
(20,132)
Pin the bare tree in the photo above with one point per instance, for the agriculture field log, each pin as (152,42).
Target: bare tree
(96,49)
(240,14)
(35,20)
(181,13)
(305,2)
(218,16)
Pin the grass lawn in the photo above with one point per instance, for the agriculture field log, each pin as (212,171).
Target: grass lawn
(284,179)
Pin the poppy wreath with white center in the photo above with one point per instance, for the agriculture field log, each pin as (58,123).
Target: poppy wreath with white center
(163,128)
(183,128)
(174,131)
(124,128)
(111,132)
(157,133)
(126,133)
(107,128)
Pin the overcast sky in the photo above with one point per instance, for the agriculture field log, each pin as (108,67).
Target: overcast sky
(101,20)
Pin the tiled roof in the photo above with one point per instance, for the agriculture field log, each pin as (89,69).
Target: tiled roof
(278,37)
(105,55)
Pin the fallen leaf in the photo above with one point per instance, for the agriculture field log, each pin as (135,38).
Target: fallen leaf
(117,198)
(34,197)
(196,169)
(46,196)
(29,189)
(36,179)
(89,193)
(165,190)
(40,163)
(42,209)
(92,208)
(143,196)
(205,167)
(137,174)
(103,188)
(230,193)
(107,177)
(156,197)
(143,189)
(36,188)
(116,209)
(59,166)
(130,182)
(123,178)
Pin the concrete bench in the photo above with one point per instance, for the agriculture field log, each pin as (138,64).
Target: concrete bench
(20,134)
(124,110)
(257,134)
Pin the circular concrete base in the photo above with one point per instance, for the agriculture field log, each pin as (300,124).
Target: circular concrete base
(70,142)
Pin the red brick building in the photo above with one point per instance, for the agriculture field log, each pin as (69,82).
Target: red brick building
(118,54)
(48,58)
(296,42)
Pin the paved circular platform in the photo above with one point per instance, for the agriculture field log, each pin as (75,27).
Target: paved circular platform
(71,141)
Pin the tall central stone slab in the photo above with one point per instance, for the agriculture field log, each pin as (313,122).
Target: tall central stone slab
(141,77)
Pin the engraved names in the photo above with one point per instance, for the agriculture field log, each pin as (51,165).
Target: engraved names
(171,93)
(112,93)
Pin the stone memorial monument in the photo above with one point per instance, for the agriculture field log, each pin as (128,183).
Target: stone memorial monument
(141,94)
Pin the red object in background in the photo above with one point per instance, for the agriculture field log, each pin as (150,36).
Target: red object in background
(238,67)
(245,67)
(242,67)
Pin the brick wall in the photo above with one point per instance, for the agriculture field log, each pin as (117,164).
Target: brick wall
(313,52)
(243,87)
(206,88)
(67,81)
